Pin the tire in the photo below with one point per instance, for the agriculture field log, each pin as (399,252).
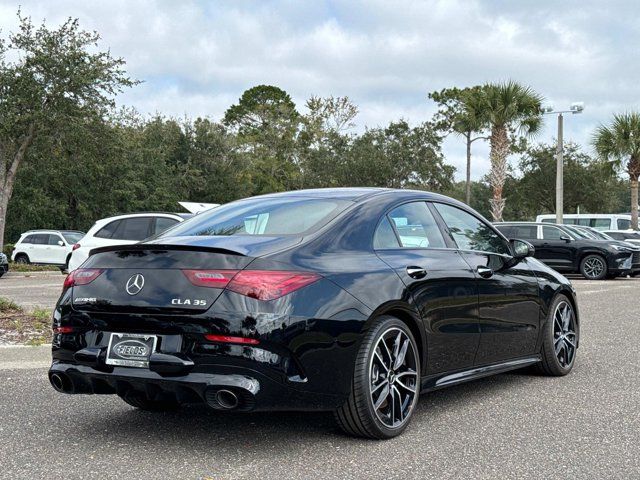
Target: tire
(140,401)
(22,258)
(593,267)
(558,355)
(359,416)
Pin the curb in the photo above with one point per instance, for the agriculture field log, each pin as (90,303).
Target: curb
(52,273)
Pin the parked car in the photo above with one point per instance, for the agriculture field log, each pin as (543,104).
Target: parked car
(4,264)
(346,300)
(46,247)
(599,221)
(121,230)
(630,236)
(567,251)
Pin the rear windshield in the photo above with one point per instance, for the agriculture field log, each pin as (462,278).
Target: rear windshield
(262,216)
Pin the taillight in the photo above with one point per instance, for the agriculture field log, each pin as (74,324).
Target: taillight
(82,276)
(228,339)
(268,284)
(258,284)
(75,246)
(62,329)
(210,278)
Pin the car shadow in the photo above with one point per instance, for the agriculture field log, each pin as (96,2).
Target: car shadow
(203,429)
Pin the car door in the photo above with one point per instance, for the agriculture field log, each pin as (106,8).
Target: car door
(39,246)
(438,280)
(555,248)
(508,296)
(56,250)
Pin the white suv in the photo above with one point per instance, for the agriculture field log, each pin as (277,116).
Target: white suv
(121,230)
(51,247)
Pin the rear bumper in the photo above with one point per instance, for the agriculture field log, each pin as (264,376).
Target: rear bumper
(255,391)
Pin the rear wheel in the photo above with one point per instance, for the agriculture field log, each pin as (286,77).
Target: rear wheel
(593,267)
(22,258)
(561,335)
(140,400)
(386,382)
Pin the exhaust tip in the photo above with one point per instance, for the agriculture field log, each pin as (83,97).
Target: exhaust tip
(227,399)
(61,383)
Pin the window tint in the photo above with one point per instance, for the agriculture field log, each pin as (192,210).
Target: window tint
(54,239)
(385,237)
(552,233)
(163,223)
(108,230)
(525,232)
(264,216)
(41,239)
(469,232)
(136,228)
(29,239)
(622,224)
(416,226)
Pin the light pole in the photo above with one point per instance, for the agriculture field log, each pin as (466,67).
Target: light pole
(576,107)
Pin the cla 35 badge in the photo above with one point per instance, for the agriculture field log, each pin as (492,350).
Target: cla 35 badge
(130,350)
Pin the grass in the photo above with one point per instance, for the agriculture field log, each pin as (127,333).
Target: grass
(18,326)
(25,267)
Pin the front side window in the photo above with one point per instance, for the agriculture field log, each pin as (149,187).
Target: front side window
(416,226)
(264,216)
(552,233)
(622,224)
(469,232)
(54,239)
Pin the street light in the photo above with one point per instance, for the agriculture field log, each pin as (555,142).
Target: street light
(575,107)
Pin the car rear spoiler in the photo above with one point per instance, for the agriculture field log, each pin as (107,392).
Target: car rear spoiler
(137,247)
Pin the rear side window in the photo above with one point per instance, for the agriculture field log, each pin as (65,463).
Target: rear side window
(40,239)
(264,216)
(416,226)
(617,235)
(469,232)
(163,223)
(136,228)
(525,232)
(108,230)
(385,237)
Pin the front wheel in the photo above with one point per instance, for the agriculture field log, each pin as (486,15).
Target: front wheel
(593,267)
(561,336)
(386,382)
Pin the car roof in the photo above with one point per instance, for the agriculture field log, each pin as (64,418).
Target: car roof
(357,194)
(141,214)
(28,232)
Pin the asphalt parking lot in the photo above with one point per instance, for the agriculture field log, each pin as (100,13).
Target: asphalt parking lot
(32,290)
(518,425)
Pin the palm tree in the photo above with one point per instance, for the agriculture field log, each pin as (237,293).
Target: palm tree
(507,108)
(620,143)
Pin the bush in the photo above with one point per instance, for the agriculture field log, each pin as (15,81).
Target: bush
(8,249)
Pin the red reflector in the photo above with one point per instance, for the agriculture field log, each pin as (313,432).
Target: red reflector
(75,246)
(269,284)
(63,330)
(228,339)
(82,276)
(210,278)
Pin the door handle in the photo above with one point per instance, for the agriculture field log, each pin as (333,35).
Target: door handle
(484,272)
(416,272)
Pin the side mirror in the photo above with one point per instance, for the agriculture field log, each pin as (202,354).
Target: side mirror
(565,238)
(61,243)
(521,249)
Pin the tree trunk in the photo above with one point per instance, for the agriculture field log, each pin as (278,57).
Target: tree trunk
(499,142)
(467,192)
(8,177)
(633,169)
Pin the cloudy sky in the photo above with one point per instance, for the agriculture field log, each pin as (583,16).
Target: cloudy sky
(197,57)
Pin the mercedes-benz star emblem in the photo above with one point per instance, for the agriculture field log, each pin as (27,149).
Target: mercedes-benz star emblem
(135,284)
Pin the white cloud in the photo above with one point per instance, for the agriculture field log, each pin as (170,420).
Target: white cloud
(198,57)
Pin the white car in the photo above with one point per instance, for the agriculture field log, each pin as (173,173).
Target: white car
(50,247)
(121,230)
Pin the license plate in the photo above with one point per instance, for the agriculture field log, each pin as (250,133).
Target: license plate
(130,349)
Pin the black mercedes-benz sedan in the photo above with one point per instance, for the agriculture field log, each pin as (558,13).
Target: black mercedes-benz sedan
(354,301)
